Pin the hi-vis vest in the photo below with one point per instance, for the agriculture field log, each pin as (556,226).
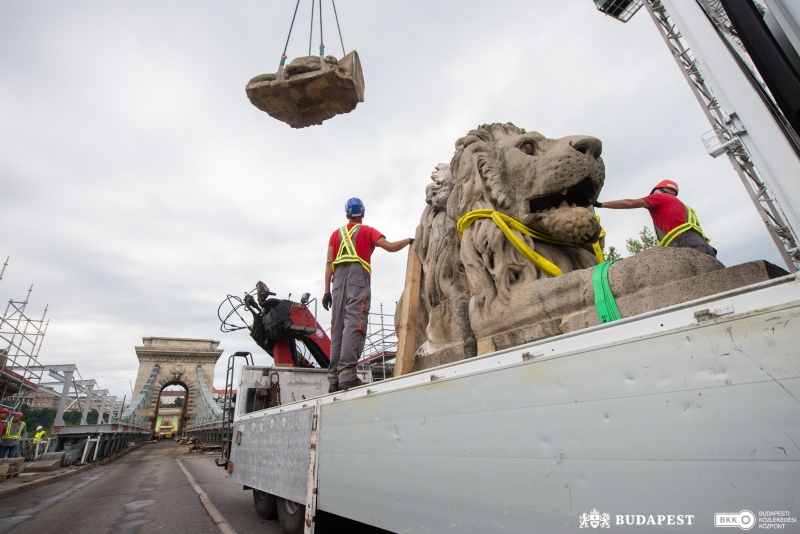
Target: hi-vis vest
(38,437)
(347,248)
(690,223)
(8,435)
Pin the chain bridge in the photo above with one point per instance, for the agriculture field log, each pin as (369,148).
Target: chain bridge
(188,363)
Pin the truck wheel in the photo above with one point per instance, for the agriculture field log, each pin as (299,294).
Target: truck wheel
(292,516)
(266,504)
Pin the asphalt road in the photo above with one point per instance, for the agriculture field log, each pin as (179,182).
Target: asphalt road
(143,492)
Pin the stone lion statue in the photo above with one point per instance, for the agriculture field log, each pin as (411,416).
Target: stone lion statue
(510,215)
(546,184)
(472,279)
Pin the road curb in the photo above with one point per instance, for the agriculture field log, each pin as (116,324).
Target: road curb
(22,487)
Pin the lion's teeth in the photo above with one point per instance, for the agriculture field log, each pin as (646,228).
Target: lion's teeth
(564,191)
(563,204)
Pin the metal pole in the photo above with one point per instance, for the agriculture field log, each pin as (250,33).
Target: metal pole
(102,408)
(383,346)
(85,449)
(97,446)
(62,403)
(88,403)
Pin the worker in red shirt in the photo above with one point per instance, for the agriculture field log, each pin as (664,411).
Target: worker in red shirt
(349,253)
(676,224)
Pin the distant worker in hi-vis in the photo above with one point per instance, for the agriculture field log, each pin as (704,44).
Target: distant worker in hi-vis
(348,269)
(676,224)
(40,433)
(13,434)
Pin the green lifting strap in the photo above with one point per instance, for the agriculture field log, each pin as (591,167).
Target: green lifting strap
(607,310)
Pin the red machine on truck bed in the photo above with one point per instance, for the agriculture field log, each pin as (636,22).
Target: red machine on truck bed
(278,325)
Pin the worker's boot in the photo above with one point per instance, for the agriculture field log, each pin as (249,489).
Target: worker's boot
(333,381)
(354,383)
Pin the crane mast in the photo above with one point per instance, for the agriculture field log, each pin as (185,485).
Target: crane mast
(747,125)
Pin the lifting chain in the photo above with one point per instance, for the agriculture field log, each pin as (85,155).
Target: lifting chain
(311,30)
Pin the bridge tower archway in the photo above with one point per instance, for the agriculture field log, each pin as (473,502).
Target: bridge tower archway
(170,414)
(165,361)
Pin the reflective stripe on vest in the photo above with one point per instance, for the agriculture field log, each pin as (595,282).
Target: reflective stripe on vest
(347,248)
(38,437)
(7,434)
(691,223)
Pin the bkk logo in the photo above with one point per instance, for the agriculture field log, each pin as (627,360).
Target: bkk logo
(766,519)
(744,520)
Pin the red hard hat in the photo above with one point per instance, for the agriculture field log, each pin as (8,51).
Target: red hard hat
(3,410)
(17,414)
(666,184)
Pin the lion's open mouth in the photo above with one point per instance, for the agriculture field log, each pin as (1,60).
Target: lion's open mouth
(580,194)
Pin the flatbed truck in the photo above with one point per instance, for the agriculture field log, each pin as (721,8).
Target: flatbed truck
(667,418)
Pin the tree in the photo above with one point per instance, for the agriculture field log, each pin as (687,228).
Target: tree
(179,402)
(611,254)
(647,239)
(73,417)
(43,417)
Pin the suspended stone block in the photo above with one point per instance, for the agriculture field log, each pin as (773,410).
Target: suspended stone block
(309,90)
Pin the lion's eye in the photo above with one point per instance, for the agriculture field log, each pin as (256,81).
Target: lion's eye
(527,147)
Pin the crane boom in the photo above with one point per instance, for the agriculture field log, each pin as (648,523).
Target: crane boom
(746,124)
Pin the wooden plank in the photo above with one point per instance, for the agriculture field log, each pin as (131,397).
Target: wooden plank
(407,329)
(485,346)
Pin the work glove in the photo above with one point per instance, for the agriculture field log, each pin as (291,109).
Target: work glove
(327,299)
(410,241)
(597,204)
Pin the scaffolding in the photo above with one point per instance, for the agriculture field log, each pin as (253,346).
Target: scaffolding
(380,348)
(21,338)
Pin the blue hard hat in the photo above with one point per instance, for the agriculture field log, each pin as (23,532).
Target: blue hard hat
(354,208)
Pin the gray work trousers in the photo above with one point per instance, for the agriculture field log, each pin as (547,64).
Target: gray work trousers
(350,316)
(692,239)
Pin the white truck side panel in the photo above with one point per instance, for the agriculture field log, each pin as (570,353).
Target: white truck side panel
(692,422)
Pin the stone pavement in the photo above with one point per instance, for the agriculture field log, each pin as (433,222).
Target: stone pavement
(29,481)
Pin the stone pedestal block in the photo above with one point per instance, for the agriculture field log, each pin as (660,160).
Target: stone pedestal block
(651,280)
(43,466)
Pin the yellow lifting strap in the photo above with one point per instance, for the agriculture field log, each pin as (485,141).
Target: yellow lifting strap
(692,223)
(347,248)
(507,224)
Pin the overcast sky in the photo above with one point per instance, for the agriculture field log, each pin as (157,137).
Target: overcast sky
(139,186)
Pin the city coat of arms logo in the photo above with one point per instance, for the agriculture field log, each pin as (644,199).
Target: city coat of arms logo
(595,519)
